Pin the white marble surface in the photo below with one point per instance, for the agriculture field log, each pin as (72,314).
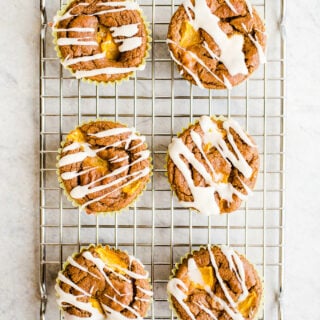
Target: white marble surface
(19,161)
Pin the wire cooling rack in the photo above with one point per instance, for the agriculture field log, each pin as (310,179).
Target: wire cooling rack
(159,103)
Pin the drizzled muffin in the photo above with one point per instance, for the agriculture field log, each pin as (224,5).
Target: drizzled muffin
(103,283)
(103,166)
(216,44)
(101,40)
(215,283)
(212,165)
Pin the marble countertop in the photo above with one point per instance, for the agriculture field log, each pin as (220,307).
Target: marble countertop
(19,158)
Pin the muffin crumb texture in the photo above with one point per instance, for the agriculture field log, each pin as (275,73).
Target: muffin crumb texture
(215,283)
(216,44)
(103,283)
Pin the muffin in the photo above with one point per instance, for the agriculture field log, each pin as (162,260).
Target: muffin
(215,283)
(103,283)
(216,44)
(101,40)
(103,166)
(213,165)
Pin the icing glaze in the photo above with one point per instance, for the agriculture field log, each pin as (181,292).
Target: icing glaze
(230,5)
(75,30)
(262,56)
(174,290)
(84,150)
(65,298)
(204,197)
(192,74)
(200,61)
(249,6)
(108,70)
(178,289)
(128,30)
(231,47)
(127,44)
(76,42)
(68,62)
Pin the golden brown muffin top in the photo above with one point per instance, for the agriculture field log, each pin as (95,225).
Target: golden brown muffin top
(212,165)
(102,283)
(215,283)
(104,166)
(101,40)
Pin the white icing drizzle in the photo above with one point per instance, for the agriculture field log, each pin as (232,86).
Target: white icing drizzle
(220,280)
(230,5)
(141,299)
(143,172)
(194,274)
(237,269)
(125,307)
(231,313)
(85,151)
(108,70)
(244,27)
(72,146)
(82,191)
(74,174)
(77,157)
(145,291)
(82,29)
(128,5)
(134,275)
(68,62)
(249,6)
(128,30)
(100,265)
(204,200)
(65,298)
(119,159)
(76,42)
(129,44)
(179,294)
(110,132)
(227,82)
(68,14)
(64,279)
(192,74)
(200,61)
(208,311)
(232,55)
(70,299)
(74,263)
(262,56)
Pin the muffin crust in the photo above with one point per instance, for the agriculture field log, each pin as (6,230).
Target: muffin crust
(216,44)
(99,40)
(212,165)
(104,166)
(103,283)
(215,283)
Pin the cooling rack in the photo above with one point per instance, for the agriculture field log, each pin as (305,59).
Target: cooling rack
(159,104)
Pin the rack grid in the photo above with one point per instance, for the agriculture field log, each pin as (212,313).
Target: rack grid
(159,103)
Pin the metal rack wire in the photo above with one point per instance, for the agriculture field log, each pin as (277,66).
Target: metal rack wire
(159,104)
